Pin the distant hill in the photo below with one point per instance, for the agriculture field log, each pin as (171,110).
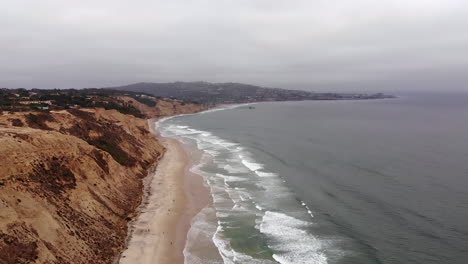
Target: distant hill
(226,93)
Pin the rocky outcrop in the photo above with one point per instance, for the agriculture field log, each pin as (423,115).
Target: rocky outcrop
(71,180)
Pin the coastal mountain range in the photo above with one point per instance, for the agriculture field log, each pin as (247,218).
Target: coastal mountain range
(228,93)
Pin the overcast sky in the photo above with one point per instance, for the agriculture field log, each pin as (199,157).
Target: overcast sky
(309,44)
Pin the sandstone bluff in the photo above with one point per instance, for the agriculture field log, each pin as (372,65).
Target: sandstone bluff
(70,180)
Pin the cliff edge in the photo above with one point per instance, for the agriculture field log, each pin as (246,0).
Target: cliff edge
(70,181)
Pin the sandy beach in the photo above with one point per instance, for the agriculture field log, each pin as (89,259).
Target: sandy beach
(173,196)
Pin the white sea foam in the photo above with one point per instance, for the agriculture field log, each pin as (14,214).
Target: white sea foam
(199,238)
(229,255)
(213,153)
(233,168)
(228,178)
(252,165)
(239,198)
(223,246)
(265,174)
(288,237)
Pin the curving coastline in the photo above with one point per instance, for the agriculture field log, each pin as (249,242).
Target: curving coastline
(173,196)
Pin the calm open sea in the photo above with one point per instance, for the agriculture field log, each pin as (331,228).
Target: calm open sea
(378,181)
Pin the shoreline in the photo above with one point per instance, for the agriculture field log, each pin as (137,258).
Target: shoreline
(163,239)
(172,197)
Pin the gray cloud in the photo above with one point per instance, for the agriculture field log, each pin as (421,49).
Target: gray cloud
(313,44)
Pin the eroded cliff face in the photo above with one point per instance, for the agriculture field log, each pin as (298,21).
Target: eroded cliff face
(71,180)
(164,107)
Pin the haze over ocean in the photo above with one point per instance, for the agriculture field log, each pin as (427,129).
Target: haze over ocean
(379,181)
(321,182)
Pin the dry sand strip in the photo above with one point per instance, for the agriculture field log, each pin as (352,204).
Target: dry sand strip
(158,235)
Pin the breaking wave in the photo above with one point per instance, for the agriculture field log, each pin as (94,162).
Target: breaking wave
(255,218)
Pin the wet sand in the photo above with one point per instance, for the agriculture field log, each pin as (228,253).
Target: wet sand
(174,196)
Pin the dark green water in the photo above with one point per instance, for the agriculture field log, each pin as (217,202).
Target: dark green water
(386,181)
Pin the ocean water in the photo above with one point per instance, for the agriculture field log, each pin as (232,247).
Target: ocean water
(378,181)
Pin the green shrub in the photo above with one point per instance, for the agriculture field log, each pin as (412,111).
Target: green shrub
(38,121)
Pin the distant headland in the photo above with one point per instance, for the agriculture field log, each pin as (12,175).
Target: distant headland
(205,93)
(231,93)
